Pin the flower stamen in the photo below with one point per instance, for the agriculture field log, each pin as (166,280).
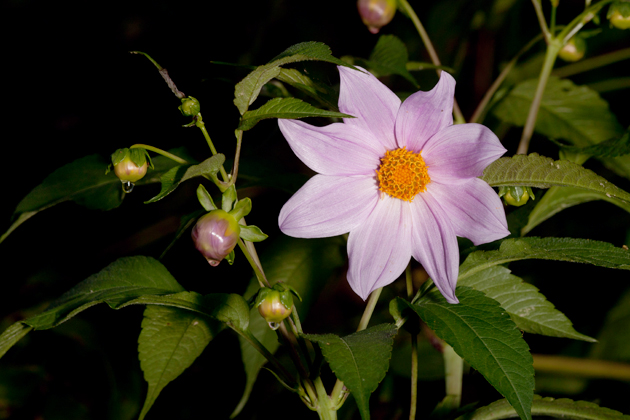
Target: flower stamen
(402,174)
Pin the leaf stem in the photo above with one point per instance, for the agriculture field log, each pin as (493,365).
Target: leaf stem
(202,126)
(586,368)
(541,20)
(553,47)
(160,152)
(414,351)
(404,4)
(453,371)
(592,63)
(251,339)
(481,108)
(260,275)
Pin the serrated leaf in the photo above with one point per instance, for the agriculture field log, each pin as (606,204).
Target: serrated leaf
(318,91)
(483,334)
(548,407)
(567,111)
(390,56)
(305,265)
(170,341)
(252,233)
(529,309)
(247,90)
(542,172)
(557,199)
(614,147)
(175,176)
(360,360)
(288,108)
(584,251)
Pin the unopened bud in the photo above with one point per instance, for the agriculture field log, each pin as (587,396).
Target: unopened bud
(516,196)
(130,165)
(275,304)
(619,14)
(215,235)
(190,106)
(574,49)
(376,13)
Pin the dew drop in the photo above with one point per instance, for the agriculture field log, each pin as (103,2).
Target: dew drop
(274,325)
(128,186)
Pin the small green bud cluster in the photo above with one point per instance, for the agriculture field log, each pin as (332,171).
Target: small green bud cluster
(190,107)
(275,304)
(376,13)
(516,196)
(573,50)
(619,14)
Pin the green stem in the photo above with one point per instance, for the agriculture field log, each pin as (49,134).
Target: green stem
(552,26)
(338,393)
(149,57)
(160,152)
(459,117)
(592,63)
(260,275)
(579,21)
(453,371)
(326,408)
(237,156)
(587,368)
(481,108)
(251,339)
(414,351)
(553,47)
(202,126)
(541,20)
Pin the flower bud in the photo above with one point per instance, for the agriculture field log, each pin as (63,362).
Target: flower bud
(190,106)
(516,196)
(574,49)
(130,165)
(619,14)
(126,170)
(376,13)
(274,304)
(215,235)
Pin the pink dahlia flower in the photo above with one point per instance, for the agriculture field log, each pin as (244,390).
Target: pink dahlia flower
(400,178)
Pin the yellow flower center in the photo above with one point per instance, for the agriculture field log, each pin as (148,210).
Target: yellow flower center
(402,174)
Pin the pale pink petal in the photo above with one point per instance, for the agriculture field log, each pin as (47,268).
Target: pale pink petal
(328,206)
(473,208)
(372,103)
(425,113)
(461,152)
(379,249)
(336,149)
(434,244)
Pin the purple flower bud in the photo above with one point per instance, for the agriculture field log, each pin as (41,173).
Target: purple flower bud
(376,13)
(215,235)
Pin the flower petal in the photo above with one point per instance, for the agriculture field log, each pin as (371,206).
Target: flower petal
(434,244)
(425,113)
(336,149)
(328,206)
(379,249)
(473,208)
(461,152)
(372,103)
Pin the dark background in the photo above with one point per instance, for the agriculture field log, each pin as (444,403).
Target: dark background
(71,89)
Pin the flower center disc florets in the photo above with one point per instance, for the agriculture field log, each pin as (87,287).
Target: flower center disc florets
(402,174)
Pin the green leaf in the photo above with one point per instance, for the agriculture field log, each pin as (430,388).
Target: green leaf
(289,108)
(241,209)
(305,265)
(529,309)
(324,94)
(170,341)
(567,111)
(360,360)
(542,172)
(390,56)
(185,223)
(557,199)
(484,335)
(548,407)
(247,90)
(171,179)
(205,199)
(584,251)
(12,335)
(252,233)
(608,148)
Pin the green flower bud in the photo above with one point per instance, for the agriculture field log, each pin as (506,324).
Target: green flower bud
(275,304)
(130,165)
(190,106)
(516,196)
(376,13)
(619,14)
(574,49)
(215,235)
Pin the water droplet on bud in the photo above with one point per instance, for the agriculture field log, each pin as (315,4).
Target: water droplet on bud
(274,325)
(128,186)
